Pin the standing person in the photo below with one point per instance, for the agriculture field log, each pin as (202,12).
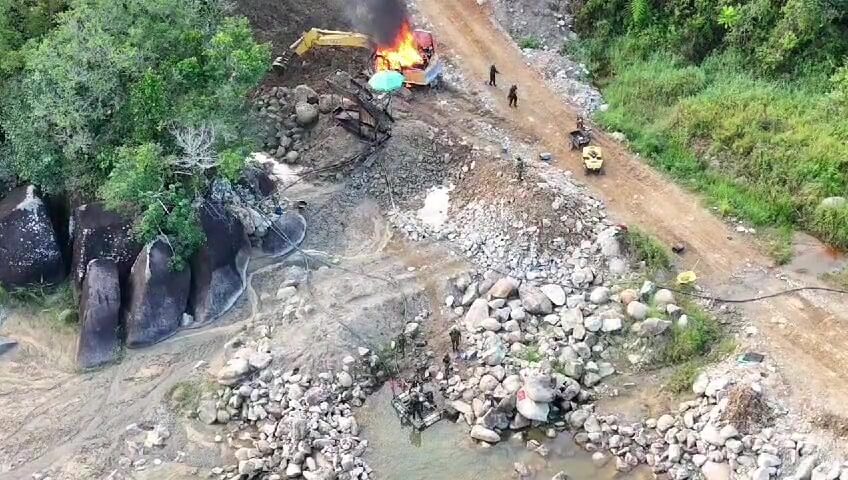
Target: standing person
(513,96)
(447,361)
(455,337)
(493,82)
(519,168)
(400,344)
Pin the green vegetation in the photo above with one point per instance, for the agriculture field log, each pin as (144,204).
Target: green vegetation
(839,279)
(746,102)
(116,104)
(696,340)
(683,377)
(643,247)
(530,354)
(185,396)
(55,302)
(778,242)
(530,42)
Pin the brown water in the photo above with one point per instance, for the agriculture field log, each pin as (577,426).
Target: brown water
(445,451)
(810,256)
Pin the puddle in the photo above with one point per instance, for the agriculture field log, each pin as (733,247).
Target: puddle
(435,210)
(810,256)
(446,451)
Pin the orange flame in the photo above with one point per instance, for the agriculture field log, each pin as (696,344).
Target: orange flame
(403,53)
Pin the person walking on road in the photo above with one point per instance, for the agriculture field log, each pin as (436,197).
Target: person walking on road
(493,71)
(513,96)
(447,361)
(455,337)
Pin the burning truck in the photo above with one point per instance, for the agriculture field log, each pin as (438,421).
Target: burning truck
(411,52)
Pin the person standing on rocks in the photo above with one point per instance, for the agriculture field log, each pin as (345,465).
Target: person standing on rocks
(455,337)
(512,96)
(400,344)
(493,71)
(519,168)
(447,361)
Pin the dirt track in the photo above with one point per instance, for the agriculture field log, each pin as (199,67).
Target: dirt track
(807,334)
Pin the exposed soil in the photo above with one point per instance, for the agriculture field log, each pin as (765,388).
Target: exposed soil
(807,333)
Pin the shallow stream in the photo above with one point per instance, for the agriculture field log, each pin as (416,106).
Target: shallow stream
(446,452)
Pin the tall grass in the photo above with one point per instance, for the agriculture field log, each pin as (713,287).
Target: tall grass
(762,150)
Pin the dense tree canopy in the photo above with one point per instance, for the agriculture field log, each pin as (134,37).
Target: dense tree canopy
(141,103)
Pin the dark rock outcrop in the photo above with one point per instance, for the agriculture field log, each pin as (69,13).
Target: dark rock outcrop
(219,268)
(100,305)
(156,298)
(29,250)
(99,233)
(285,234)
(7,345)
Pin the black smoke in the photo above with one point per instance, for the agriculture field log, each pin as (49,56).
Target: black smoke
(379,19)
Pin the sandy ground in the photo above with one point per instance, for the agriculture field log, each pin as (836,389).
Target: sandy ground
(53,416)
(807,334)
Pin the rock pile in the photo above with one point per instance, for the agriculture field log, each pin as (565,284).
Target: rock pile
(289,424)
(288,115)
(698,441)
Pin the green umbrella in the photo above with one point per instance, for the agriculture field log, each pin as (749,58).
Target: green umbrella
(387,81)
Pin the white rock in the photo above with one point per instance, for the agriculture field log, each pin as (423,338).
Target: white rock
(715,471)
(555,293)
(491,324)
(664,423)
(637,310)
(612,324)
(767,460)
(479,432)
(411,329)
(599,295)
(345,380)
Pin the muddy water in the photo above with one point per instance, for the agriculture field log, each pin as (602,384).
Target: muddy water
(810,256)
(444,451)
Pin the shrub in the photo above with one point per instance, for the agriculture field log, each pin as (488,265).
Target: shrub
(530,42)
(645,248)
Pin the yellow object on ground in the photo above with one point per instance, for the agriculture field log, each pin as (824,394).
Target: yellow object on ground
(329,38)
(593,160)
(686,278)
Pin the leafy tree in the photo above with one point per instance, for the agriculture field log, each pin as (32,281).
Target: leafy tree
(142,104)
(728,16)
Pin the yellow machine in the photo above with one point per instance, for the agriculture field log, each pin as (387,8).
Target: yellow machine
(329,38)
(593,159)
(427,74)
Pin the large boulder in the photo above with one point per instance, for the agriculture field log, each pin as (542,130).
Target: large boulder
(534,300)
(99,233)
(306,113)
(157,296)
(504,287)
(531,409)
(219,268)
(29,248)
(100,306)
(285,234)
(477,313)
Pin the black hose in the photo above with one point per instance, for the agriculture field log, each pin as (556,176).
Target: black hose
(752,299)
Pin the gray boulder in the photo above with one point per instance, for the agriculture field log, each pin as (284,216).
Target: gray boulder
(534,300)
(157,296)
(99,233)
(637,310)
(834,202)
(503,288)
(479,432)
(651,327)
(29,247)
(218,270)
(285,235)
(477,312)
(100,304)
(306,113)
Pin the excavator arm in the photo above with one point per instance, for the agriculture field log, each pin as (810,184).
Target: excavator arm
(329,38)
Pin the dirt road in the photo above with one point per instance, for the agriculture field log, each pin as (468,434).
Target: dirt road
(807,335)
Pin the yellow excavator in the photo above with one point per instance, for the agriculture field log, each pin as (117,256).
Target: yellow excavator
(429,74)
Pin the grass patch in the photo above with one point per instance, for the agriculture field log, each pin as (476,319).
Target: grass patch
(838,279)
(530,42)
(184,397)
(683,377)
(530,354)
(762,150)
(778,244)
(695,340)
(56,302)
(644,247)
